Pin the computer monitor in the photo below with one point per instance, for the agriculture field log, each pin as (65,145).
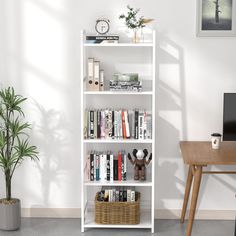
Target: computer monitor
(229,117)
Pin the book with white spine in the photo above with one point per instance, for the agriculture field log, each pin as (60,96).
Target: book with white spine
(111,167)
(140,124)
(127,124)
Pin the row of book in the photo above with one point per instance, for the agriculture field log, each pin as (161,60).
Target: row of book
(101,39)
(117,194)
(95,76)
(105,166)
(117,124)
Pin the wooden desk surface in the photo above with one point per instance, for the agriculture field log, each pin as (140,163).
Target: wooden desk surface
(201,153)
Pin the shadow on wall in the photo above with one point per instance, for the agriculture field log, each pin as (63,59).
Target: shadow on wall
(171,124)
(49,134)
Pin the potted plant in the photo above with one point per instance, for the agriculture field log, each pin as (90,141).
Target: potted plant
(14,149)
(133,22)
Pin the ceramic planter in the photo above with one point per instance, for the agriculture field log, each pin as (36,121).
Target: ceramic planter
(10,214)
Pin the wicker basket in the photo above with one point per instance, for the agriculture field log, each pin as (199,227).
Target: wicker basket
(125,213)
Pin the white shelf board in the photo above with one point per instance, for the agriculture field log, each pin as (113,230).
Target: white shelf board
(117,93)
(119,45)
(145,221)
(140,183)
(118,140)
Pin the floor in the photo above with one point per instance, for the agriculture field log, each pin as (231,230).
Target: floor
(71,227)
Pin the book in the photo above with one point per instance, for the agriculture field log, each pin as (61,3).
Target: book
(128,195)
(91,124)
(108,123)
(124,160)
(132,196)
(87,168)
(98,124)
(115,169)
(91,166)
(117,195)
(111,167)
(90,74)
(140,125)
(101,39)
(119,166)
(97,167)
(127,124)
(108,166)
(123,124)
(95,124)
(136,123)
(102,128)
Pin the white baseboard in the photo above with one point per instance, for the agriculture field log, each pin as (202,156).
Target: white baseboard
(159,213)
(200,214)
(51,212)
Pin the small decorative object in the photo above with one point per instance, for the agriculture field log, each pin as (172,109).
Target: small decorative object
(102,26)
(14,149)
(215,140)
(140,163)
(133,22)
(216,18)
(125,82)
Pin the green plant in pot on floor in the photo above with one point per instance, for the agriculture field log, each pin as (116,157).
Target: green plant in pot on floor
(14,149)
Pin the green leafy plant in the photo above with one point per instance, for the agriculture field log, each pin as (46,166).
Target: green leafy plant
(14,141)
(132,21)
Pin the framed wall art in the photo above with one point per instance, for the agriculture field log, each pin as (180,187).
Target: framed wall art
(216,18)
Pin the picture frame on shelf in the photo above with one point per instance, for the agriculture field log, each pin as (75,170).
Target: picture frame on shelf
(216,18)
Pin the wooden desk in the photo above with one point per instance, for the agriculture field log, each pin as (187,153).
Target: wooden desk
(198,155)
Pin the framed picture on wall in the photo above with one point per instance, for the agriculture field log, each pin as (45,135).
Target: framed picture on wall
(216,18)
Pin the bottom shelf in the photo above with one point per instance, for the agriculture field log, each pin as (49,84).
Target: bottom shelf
(145,221)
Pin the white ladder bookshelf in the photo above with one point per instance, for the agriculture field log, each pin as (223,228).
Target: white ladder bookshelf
(103,99)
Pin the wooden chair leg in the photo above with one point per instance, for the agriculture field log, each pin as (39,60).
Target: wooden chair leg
(196,186)
(187,192)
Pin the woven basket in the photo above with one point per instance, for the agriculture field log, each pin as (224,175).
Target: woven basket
(125,213)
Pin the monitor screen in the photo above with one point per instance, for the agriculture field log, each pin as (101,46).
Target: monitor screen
(229,119)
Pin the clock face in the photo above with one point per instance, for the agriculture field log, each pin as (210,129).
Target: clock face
(102,26)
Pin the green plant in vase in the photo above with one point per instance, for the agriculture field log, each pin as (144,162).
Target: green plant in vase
(14,149)
(133,22)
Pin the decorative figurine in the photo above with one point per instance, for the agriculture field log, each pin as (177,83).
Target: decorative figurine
(140,163)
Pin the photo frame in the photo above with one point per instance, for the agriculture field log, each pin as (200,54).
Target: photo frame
(216,18)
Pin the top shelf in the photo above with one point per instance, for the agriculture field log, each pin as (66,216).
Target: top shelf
(119,45)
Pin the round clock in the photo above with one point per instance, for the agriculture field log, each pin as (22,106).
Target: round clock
(102,26)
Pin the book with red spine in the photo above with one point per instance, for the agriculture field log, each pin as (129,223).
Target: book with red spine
(119,166)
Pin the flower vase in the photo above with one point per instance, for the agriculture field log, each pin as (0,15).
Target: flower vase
(135,38)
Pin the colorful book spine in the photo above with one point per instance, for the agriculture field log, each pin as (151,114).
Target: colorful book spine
(119,166)
(136,129)
(91,124)
(97,167)
(91,166)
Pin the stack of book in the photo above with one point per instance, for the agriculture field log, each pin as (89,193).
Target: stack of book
(125,82)
(95,76)
(117,124)
(117,194)
(105,166)
(101,39)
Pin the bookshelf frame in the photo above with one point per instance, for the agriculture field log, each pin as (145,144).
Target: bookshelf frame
(147,218)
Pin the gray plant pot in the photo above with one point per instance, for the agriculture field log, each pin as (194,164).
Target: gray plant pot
(10,215)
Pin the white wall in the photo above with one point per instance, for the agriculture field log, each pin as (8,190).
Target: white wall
(39,55)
